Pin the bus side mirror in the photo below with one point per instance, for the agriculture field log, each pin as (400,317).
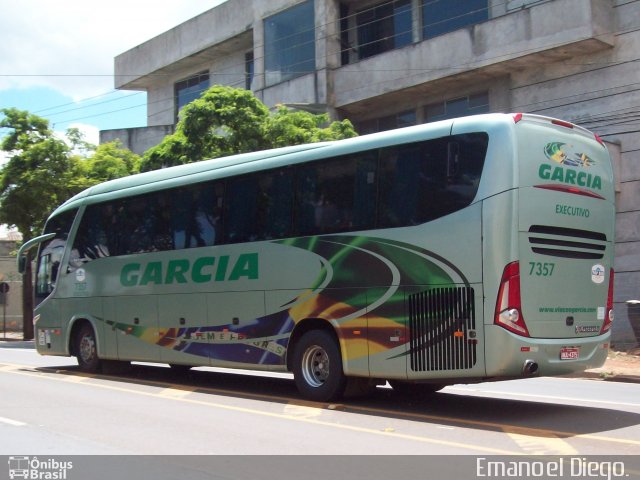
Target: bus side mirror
(22,252)
(22,264)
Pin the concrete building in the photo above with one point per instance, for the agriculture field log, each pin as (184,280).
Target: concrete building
(385,64)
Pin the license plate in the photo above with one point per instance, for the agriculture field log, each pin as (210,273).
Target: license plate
(569,353)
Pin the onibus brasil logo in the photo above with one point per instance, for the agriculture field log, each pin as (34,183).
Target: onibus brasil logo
(38,469)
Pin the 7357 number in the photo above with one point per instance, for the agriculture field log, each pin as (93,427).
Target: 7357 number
(540,269)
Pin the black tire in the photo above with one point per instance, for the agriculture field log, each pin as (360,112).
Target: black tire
(86,349)
(317,367)
(415,390)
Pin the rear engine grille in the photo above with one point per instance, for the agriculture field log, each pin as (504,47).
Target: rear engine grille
(442,329)
(567,242)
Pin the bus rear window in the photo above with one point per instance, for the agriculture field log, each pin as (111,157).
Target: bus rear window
(425,181)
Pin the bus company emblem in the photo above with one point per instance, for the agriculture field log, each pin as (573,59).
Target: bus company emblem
(81,275)
(562,153)
(570,176)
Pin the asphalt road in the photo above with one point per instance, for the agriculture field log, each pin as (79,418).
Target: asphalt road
(49,407)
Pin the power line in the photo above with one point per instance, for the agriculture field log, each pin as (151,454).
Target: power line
(96,104)
(79,101)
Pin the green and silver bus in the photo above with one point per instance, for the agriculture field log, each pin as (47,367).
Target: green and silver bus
(467,250)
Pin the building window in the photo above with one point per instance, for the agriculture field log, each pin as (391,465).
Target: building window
(384,27)
(397,120)
(248,69)
(345,45)
(190,89)
(443,16)
(458,107)
(289,43)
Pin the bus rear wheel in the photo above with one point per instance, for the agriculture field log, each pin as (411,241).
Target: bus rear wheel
(317,367)
(86,349)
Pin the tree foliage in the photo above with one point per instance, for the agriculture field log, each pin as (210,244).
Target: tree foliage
(110,161)
(37,175)
(225,121)
(43,171)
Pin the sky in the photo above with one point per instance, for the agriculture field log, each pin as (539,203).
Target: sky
(56,57)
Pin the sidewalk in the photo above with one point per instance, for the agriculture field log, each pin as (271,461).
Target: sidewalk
(619,367)
(14,340)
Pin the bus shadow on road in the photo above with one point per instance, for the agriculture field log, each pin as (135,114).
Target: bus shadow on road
(445,408)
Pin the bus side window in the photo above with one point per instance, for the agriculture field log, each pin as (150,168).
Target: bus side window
(92,240)
(400,177)
(364,197)
(336,195)
(429,180)
(275,205)
(241,209)
(306,186)
(196,214)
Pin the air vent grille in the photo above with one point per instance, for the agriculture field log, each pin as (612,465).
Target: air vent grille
(567,242)
(442,329)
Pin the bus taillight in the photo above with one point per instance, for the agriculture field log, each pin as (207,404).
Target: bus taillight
(608,318)
(562,123)
(508,306)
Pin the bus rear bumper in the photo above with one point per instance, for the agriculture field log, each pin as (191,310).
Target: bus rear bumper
(510,355)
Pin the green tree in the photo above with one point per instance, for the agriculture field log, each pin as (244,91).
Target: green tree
(225,121)
(110,161)
(289,127)
(35,177)
(43,171)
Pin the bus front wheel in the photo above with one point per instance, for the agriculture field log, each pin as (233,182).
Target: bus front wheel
(86,349)
(317,367)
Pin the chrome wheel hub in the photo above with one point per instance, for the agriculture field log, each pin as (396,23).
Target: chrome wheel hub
(87,348)
(315,366)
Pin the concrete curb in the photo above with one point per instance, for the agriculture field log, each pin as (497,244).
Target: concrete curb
(17,344)
(609,376)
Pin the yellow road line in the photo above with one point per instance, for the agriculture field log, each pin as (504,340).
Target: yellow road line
(78,379)
(10,421)
(539,445)
(176,393)
(302,411)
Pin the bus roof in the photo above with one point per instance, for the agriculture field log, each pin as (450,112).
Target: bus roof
(261,160)
(186,170)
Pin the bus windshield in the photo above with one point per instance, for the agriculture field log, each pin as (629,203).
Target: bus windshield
(51,253)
